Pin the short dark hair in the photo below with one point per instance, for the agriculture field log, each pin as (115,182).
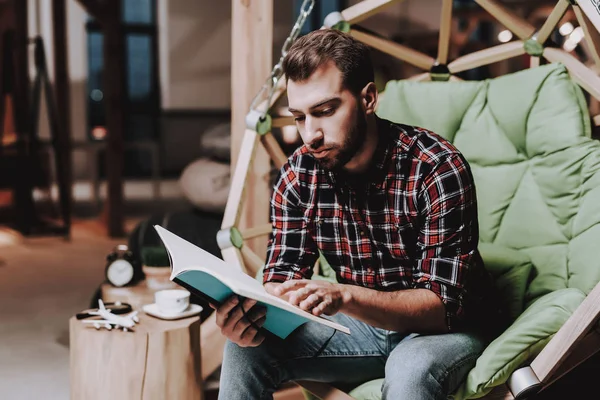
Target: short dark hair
(316,48)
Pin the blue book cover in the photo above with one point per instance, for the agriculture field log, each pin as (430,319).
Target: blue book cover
(214,280)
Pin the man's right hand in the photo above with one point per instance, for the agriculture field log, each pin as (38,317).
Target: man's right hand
(235,326)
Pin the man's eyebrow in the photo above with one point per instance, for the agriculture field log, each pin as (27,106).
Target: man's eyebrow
(319,104)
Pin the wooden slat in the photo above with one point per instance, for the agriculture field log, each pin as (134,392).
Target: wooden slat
(252,62)
(274,150)
(252,262)
(233,209)
(510,20)
(445,31)
(487,56)
(592,37)
(534,62)
(587,6)
(587,347)
(63,108)
(553,19)
(597,120)
(233,256)
(568,337)
(324,391)
(396,50)
(256,231)
(365,9)
(278,122)
(581,74)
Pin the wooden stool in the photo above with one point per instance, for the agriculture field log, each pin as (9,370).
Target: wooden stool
(159,360)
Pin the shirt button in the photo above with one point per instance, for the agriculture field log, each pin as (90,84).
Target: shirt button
(370,270)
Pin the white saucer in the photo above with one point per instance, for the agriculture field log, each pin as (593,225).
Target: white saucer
(152,309)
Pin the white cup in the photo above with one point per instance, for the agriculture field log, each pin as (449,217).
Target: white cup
(172,301)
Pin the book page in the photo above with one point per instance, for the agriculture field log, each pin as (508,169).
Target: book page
(186,256)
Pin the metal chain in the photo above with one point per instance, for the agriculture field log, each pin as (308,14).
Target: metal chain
(273,79)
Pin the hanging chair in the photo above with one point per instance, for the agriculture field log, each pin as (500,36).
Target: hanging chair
(527,136)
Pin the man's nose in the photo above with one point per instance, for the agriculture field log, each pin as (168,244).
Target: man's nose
(313,134)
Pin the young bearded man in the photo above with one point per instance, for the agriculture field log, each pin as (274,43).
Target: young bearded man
(393,210)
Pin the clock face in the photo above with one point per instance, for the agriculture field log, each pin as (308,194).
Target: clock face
(119,272)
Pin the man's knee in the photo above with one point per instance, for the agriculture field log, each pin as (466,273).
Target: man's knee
(413,380)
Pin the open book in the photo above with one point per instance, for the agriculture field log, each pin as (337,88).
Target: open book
(211,278)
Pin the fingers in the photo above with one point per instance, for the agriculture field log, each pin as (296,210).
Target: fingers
(238,327)
(290,285)
(323,307)
(224,310)
(236,314)
(310,302)
(253,316)
(251,337)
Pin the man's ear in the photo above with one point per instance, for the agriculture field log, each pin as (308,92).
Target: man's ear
(369,97)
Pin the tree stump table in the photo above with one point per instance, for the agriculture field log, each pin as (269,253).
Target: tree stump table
(159,360)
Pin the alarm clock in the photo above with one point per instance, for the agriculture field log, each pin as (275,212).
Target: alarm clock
(122,268)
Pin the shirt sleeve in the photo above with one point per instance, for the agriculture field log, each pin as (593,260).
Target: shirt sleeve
(291,253)
(448,235)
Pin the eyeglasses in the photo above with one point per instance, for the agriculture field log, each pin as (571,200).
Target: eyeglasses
(115,308)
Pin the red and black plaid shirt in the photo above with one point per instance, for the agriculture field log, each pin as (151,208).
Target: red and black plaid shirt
(412,223)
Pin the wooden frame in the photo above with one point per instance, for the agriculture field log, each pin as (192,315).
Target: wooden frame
(570,346)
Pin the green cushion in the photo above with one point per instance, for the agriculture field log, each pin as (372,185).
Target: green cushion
(527,138)
(522,341)
(511,270)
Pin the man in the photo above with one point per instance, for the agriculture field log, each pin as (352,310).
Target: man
(393,210)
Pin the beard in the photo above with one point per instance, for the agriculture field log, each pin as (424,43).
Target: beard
(340,154)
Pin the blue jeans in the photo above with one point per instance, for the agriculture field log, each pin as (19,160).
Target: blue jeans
(414,366)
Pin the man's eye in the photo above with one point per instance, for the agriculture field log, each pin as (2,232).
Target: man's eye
(328,111)
(299,119)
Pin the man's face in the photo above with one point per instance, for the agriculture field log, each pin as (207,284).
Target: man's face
(329,117)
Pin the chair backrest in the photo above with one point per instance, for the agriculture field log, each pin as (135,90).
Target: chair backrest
(527,138)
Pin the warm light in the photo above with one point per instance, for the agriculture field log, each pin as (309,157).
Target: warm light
(99,132)
(505,36)
(573,40)
(566,29)
(577,34)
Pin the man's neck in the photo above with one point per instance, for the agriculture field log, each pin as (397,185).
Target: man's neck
(362,160)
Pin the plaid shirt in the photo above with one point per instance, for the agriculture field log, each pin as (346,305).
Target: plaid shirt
(412,225)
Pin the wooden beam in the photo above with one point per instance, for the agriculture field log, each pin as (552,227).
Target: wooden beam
(585,77)
(252,61)
(364,9)
(568,337)
(553,19)
(592,36)
(250,233)
(324,391)
(445,31)
(509,19)
(585,349)
(396,50)
(239,180)
(63,105)
(487,56)
(272,147)
(23,195)
(115,93)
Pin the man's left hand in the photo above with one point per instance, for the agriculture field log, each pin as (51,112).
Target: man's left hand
(314,296)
